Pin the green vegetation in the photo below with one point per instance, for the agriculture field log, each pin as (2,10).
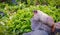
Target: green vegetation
(16,20)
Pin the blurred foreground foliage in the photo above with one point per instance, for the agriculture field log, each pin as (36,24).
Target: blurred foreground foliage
(16,19)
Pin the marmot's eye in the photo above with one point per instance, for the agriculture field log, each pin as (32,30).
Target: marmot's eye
(35,11)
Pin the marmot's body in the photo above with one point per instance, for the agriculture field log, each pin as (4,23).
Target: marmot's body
(40,23)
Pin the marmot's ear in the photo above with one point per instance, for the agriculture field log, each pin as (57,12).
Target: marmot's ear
(35,11)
